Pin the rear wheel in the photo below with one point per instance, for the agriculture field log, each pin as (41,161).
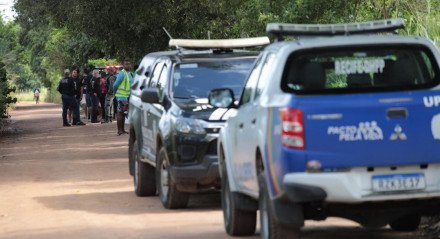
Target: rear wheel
(144,175)
(237,222)
(170,197)
(406,223)
(270,227)
(131,161)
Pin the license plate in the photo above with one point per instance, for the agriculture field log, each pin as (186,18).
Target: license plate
(398,182)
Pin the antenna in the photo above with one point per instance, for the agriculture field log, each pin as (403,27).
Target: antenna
(169,35)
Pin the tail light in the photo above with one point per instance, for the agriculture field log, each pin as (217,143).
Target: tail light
(292,135)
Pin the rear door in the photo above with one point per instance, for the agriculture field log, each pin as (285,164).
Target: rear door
(367,106)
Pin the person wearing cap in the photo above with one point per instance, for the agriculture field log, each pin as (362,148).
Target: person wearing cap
(122,87)
(66,87)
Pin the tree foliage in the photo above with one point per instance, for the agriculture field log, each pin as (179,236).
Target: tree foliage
(50,35)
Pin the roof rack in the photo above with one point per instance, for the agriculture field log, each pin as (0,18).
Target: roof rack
(219,43)
(285,29)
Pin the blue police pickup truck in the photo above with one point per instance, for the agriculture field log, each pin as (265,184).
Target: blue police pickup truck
(342,122)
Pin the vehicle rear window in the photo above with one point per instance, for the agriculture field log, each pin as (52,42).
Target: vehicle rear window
(197,79)
(372,68)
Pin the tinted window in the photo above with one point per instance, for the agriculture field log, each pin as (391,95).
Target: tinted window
(251,83)
(360,69)
(155,76)
(196,80)
(162,81)
(265,77)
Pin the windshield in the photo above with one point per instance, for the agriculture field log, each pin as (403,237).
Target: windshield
(196,80)
(360,69)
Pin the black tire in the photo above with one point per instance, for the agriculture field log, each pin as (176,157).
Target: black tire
(170,197)
(237,222)
(406,223)
(131,162)
(373,225)
(144,179)
(270,227)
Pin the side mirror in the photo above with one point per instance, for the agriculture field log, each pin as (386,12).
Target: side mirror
(150,95)
(221,98)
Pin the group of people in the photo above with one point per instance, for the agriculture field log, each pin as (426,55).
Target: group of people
(98,92)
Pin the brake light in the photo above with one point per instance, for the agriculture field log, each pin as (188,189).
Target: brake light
(292,135)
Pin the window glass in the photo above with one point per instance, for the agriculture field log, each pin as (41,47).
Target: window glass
(360,69)
(192,80)
(251,83)
(156,74)
(264,76)
(162,81)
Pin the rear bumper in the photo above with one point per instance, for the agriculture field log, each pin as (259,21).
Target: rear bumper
(355,186)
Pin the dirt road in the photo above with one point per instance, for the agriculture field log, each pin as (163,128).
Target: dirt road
(73,182)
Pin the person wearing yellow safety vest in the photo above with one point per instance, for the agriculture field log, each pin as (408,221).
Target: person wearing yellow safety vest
(122,87)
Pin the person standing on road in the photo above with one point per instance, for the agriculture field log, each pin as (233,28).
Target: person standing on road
(102,96)
(66,88)
(110,81)
(36,91)
(78,96)
(86,95)
(122,87)
(95,92)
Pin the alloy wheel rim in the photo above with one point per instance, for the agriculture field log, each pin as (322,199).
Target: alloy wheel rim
(164,179)
(136,171)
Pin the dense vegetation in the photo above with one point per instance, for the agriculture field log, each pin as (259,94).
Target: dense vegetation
(49,35)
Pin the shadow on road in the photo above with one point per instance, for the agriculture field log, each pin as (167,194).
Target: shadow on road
(125,203)
(331,232)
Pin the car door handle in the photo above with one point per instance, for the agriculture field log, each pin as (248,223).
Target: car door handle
(241,125)
(397,113)
(254,121)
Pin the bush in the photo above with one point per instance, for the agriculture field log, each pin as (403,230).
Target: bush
(5,98)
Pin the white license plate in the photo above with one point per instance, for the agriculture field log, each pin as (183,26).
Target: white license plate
(398,182)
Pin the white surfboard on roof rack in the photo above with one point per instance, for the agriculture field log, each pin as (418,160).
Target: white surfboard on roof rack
(219,43)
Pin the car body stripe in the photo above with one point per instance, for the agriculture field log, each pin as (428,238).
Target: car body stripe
(274,182)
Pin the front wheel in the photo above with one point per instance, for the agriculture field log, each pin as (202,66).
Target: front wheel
(170,197)
(144,179)
(270,227)
(237,222)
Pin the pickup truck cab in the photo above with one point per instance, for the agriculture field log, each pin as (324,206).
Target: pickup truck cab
(340,122)
(173,129)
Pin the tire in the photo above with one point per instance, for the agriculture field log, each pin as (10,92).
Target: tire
(170,197)
(131,162)
(406,223)
(270,228)
(144,179)
(373,225)
(237,222)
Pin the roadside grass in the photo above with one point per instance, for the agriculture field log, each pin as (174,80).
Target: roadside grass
(29,95)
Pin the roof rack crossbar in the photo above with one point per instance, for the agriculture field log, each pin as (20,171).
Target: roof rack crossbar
(380,26)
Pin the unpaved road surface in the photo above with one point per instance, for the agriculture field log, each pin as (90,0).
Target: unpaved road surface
(73,182)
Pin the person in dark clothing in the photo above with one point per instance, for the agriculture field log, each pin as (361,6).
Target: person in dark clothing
(78,96)
(102,96)
(111,78)
(95,91)
(66,87)
(86,94)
